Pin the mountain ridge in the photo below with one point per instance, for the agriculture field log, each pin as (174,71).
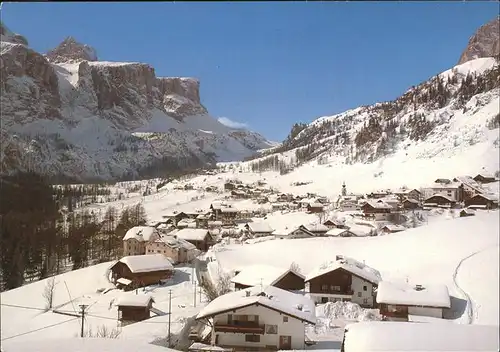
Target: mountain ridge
(66,114)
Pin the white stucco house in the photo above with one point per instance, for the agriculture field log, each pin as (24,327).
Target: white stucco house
(343,279)
(256,318)
(401,301)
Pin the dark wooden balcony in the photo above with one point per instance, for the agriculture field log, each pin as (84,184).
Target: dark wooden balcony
(242,328)
(346,292)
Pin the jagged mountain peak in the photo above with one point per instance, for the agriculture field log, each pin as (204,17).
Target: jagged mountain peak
(10,37)
(484,43)
(71,50)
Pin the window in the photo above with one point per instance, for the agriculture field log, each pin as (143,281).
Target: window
(359,294)
(252,338)
(335,288)
(365,301)
(324,287)
(365,288)
(271,329)
(285,319)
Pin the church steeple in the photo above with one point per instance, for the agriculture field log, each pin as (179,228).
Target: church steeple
(344,189)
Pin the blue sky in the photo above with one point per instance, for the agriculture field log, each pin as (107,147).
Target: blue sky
(269,65)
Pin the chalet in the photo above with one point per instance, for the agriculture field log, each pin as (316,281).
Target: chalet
(141,270)
(335,223)
(315,229)
(378,194)
(228,215)
(390,228)
(187,223)
(136,238)
(228,186)
(279,206)
(369,336)
(438,200)
(336,232)
(398,301)
(258,229)
(199,237)
(348,203)
(315,208)
(414,194)
(262,200)
(410,204)
(214,224)
(266,275)
(203,219)
(299,232)
(377,210)
(175,217)
(344,279)
(482,201)
(177,249)
(467,212)
(484,178)
(352,231)
(239,194)
(451,190)
(469,186)
(134,308)
(259,319)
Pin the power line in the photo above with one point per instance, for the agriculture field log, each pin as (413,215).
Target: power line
(24,307)
(45,327)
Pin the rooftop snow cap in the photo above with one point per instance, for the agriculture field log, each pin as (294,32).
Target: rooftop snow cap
(419,287)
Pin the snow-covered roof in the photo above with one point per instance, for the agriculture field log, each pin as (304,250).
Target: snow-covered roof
(140,233)
(349,264)
(361,230)
(255,275)
(292,304)
(411,200)
(468,211)
(316,228)
(335,221)
(487,196)
(377,204)
(394,228)
(413,337)
(335,232)
(438,195)
(451,185)
(124,281)
(229,210)
(174,242)
(260,227)
(134,300)
(405,294)
(146,263)
(192,234)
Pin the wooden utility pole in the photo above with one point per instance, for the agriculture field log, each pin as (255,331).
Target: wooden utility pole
(169,314)
(194,291)
(82,307)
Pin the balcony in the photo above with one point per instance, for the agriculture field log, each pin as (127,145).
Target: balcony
(240,327)
(343,292)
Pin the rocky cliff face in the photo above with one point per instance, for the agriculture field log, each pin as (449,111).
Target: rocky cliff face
(67,114)
(484,43)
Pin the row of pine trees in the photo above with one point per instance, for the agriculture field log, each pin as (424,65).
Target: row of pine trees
(41,236)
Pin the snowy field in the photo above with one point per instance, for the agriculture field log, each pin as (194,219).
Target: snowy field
(23,308)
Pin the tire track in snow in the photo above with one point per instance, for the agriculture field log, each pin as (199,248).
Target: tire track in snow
(470,310)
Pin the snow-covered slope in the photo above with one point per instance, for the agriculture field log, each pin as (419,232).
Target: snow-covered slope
(66,114)
(447,125)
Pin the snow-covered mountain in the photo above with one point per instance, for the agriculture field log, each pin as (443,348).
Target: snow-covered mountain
(68,114)
(452,114)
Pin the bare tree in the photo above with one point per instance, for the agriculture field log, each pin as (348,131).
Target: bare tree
(219,288)
(295,268)
(103,332)
(48,292)
(321,216)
